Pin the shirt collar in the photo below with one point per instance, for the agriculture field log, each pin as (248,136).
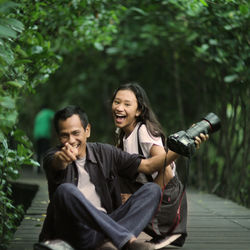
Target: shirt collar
(90,154)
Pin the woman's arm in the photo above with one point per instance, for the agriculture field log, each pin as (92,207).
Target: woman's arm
(156,162)
(160,158)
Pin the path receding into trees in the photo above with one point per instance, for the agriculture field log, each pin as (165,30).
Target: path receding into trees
(213,223)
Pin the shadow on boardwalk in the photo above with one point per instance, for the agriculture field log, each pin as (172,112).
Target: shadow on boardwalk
(213,223)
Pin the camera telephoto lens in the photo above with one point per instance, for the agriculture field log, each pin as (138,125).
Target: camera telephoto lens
(183,143)
(209,124)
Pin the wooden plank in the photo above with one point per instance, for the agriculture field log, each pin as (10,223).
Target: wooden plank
(213,223)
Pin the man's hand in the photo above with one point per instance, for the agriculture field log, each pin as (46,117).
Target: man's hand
(199,139)
(65,156)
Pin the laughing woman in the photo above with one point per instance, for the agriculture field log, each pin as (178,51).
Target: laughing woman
(138,131)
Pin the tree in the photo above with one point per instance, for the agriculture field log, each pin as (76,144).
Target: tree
(27,59)
(191,57)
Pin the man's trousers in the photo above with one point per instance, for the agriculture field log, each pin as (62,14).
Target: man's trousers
(83,226)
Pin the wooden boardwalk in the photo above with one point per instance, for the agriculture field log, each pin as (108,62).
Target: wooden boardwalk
(213,223)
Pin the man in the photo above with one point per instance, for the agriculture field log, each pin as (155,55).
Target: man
(85,206)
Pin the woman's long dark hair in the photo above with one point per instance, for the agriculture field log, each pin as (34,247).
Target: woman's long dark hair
(147,115)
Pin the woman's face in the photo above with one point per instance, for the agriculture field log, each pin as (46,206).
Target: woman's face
(125,110)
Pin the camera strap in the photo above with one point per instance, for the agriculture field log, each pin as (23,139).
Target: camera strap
(148,176)
(187,164)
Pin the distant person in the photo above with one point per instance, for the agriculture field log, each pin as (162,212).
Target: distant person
(42,132)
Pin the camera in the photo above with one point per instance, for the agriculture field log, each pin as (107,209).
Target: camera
(183,143)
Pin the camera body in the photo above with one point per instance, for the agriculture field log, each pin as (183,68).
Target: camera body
(183,143)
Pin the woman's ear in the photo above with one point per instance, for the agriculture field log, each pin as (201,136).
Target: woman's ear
(138,113)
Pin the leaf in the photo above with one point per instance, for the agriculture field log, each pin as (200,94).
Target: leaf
(6,32)
(12,23)
(23,61)
(11,118)
(204,2)
(5,144)
(31,162)
(204,47)
(244,9)
(17,84)
(230,78)
(140,11)
(7,5)
(112,50)
(37,49)
(213,42)
(98,46)
(7,102)
(20,51)
(2,137)
(7,55)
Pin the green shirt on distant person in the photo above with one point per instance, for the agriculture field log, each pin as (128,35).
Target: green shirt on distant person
(42,125)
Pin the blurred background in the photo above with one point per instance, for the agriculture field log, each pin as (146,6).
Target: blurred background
(191,57)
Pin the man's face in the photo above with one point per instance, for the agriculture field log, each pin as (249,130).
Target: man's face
(71,131)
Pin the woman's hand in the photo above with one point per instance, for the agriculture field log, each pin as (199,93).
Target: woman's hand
(124,197)
(199,139)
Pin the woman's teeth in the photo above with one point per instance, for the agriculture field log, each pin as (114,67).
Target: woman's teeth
(120,116)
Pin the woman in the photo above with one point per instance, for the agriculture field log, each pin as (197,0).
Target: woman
(138,131)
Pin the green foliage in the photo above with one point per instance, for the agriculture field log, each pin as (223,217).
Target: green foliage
(17,76)
(34,35)
(190,56)
(11,160)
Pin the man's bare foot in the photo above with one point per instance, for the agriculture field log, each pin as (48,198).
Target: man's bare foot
(135,244)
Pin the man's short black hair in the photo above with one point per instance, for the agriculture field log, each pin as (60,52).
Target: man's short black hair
(67,112)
